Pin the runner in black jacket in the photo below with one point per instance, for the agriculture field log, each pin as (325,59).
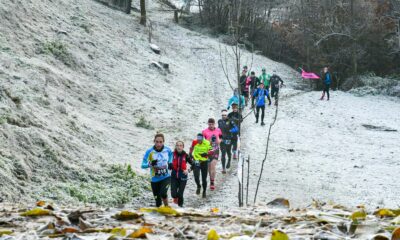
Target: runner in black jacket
(276,84)
(228,128)
(236,117)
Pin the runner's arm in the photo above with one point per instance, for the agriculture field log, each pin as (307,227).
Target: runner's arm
(145,162)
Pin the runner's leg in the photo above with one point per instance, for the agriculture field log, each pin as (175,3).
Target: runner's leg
(182,186)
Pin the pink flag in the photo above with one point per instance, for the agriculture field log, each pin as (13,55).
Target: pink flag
(309,75)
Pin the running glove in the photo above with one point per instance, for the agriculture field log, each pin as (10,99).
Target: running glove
(170,166)
(204,154)
(154,162)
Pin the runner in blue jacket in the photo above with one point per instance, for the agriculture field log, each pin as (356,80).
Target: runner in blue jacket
(260,95)
(159,159)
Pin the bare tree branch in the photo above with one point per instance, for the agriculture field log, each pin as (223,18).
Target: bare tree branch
(333,34)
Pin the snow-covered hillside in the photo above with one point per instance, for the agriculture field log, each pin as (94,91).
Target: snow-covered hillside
(75,80)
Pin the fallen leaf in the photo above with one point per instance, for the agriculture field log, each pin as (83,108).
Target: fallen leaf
(212,235)
(279,202)
(384,212)
(358,215)
(49,225)
(5,232)
(167,211)
(162,210)
(127,215)
(396,221)
(118,232)
(83,225)
(36,212)
(50,207)
(73,217)
(62,220)
(214,210)
(40,203)
(396,211)
(70,230)
(380,237)
(140,233)
(396,234)
(279,235)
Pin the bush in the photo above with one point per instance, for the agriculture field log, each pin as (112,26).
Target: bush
(119,184)
(59,51)
(143,123)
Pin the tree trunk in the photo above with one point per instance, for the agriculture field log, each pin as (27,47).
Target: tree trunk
(200,12)
(354,44)
(143,12)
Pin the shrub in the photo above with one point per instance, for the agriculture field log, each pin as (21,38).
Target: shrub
(143,123)
(59,51)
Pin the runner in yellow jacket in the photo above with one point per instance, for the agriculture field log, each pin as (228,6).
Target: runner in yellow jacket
(200,150)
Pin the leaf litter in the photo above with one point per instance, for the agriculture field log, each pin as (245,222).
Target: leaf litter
(275,220)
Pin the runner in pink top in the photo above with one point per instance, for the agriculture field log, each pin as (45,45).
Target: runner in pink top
(212,130)
(214,135)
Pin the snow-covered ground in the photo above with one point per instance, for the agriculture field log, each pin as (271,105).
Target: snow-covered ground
(322,150)
(85,113)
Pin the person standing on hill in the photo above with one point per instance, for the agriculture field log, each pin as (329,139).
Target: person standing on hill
(327,78)
(236,99)
(276,84)
(237,118)
(228,129)
(213,135)
(158,158)
(179,172)
(200,150)
(260,95)
(265,78)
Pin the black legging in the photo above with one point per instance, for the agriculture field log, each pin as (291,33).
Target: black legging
(177,188)
(160,190)
(204,172)
(326,90)
(262,113)
(225,149)
(274,93)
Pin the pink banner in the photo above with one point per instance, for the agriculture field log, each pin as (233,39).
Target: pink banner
(309,75)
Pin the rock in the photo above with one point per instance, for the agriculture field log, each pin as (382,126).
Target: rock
(161,66)
(155,48)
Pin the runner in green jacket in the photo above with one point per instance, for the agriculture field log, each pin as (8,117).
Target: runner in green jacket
(266,79)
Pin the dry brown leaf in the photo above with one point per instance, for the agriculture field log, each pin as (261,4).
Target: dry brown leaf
(140,233)
(83,225)
(279,202)
(70,230)
(40,203)
(396,234)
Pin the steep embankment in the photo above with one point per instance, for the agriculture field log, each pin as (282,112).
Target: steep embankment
(75,80)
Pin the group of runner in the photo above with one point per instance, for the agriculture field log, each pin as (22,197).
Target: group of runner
(172,168)
(259,88)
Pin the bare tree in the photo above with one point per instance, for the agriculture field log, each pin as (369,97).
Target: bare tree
(143,12)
